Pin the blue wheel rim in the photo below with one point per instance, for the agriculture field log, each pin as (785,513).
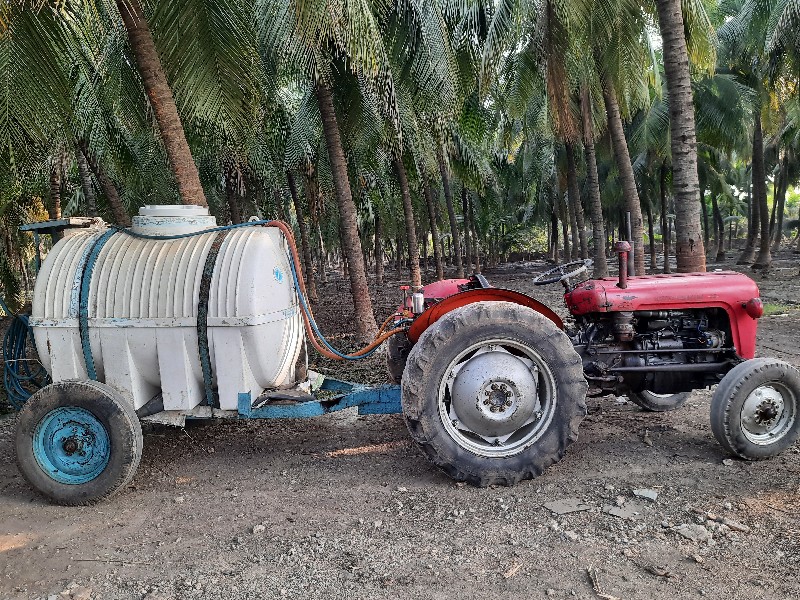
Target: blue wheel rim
(71,445)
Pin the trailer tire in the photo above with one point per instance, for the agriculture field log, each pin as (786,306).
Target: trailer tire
(652,402)
(479,348)
(755,410)
(78,442)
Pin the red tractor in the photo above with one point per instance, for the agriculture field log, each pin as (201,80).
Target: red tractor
(494,384)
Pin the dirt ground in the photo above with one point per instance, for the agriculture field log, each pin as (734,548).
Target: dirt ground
(346,507)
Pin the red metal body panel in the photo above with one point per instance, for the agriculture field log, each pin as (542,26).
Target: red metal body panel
(437,311)
(438,290)
(726,290)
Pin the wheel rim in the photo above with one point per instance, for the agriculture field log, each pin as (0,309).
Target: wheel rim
(768,413)
(71,445)
(497,398)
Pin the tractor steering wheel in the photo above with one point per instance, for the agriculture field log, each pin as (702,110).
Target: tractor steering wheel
(561,273)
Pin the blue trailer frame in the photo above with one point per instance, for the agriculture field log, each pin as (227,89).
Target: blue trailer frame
(370,400)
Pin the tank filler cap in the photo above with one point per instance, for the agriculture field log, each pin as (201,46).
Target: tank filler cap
(172,219)
(173,210)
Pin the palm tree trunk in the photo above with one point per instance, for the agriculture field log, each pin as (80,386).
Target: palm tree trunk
(554,236)
(162,102)
(651,236)
(449,245)
(378,249)
(86,183)
(475,245)
(305,243)
(780,200)
(313,201)
(706,230)
(575,200)
(562,207)
(231,193)
(467,236)
(366,327)
(54,201)
(437,242)
(280,206)
(423,246)
(118,211)
(764,258)
(451,216)
(749,253)
(411,230)
(399,257)
(774,212)
(719,229)
(593,185)
(573,224)
(623,160)
(689,249)
(664,218)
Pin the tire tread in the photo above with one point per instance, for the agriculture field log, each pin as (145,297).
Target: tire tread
(572,389)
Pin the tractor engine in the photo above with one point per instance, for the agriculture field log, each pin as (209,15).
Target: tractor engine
(663,351)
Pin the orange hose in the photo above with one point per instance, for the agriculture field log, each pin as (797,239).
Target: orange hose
(289,235)
(385,324)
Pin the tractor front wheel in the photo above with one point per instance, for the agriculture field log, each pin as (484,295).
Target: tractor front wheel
(78,442)
(494,392)
(755,410)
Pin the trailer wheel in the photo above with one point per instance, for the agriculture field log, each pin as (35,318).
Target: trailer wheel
(494,392)
(755,410)
(652,402)
(78,442)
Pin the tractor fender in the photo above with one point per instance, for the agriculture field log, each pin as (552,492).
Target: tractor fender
(438,310)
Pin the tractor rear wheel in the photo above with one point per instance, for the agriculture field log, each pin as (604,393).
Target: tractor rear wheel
(78,442)
(755,410)
(652,402)
(494,392)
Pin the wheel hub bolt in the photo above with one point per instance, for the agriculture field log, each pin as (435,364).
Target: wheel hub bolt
(70,445)
(767,412)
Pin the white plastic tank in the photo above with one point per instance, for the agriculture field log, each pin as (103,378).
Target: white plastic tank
(143,310)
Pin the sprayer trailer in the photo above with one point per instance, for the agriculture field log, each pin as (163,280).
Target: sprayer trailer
(176,318)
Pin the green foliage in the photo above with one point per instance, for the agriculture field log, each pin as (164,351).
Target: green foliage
(491,88)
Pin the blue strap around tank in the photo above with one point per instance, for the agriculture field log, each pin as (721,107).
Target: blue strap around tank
(83,301)
(202,314)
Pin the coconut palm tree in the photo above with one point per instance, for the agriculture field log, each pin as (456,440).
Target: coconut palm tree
(162,102)
(689,249)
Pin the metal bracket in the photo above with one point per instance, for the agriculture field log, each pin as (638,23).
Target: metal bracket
(54,226)
(381,400)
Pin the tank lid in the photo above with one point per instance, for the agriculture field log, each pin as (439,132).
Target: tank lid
(173,210)
(172,219)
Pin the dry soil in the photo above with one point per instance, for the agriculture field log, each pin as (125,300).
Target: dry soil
(346,507)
